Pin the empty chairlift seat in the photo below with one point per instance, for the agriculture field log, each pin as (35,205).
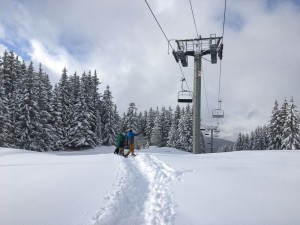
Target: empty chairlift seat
(185,96)
(218,113)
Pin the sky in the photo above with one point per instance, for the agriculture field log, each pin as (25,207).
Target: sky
(123,43)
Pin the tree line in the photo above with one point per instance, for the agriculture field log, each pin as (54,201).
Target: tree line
(34,115)
(281,133)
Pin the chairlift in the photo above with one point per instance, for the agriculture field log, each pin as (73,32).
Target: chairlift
(218,113)
(217,130)
(202,127)
(184,96)
(206,132)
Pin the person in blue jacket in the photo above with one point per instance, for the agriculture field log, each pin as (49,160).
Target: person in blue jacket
(130,141)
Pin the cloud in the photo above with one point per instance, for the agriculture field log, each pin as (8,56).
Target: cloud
(122,41)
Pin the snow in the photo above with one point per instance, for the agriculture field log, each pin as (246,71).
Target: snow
(158,186)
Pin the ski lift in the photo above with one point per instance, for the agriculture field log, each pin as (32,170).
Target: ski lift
(202,127)
(216,134)
(184,96)
(206,132)
(218,113)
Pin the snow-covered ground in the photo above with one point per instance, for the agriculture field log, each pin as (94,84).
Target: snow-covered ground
(158,186)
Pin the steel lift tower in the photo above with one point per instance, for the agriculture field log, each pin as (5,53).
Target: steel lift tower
(198,48)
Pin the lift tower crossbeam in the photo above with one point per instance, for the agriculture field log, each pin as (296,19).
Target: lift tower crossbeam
(197,48)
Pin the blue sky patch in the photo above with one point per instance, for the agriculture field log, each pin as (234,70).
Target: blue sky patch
(18,48)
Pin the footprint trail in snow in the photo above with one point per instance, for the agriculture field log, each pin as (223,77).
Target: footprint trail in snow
(142,193)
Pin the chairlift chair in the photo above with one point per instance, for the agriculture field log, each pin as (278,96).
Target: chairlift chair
(202,127)
(206,133)
(218,113)
(216,134)
(185,96)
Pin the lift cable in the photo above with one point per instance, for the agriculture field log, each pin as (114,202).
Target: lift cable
(159,25)
(224,18)
(169,44)
(220,75)
(194,18)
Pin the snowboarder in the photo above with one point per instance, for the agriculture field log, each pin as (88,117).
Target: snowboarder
(120,144)
(130,141)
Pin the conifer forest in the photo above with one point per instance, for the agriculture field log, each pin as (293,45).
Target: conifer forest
(74,114)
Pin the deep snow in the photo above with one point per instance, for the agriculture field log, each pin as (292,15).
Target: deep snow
(159,186)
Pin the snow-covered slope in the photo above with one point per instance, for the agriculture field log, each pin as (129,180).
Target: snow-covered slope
(159,186)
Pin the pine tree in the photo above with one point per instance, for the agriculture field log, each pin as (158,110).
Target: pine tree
(131,119)
(64,102)
(3,110)
(58,124)
(281,120)
(172,136)
(96,102)
(108,118)
(164,126)
(275,129)
(156,135)
(290,136)
(188,126)
(239,144)
(150,124)
(28,122)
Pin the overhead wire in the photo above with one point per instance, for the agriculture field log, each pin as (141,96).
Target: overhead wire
(169,44)
(220,74)
(194,18)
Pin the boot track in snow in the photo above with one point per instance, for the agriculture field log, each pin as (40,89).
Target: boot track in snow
(141,194)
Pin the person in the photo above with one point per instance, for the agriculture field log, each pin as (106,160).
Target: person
(120,144)
(130,141)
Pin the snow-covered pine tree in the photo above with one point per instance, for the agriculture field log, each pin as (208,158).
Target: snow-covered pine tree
(164,126)
(150,124)
(182,134)
(58,124)
(275,129)
(281,119)
(28,122)
(251,141)
(188,126)
(173,135)
(142,121)
(108,118)
(9,84)
(3,110)
(45,121)
(156,135)
(291,135)
(75,111)
(240,143)
(64,102)
(96,99)
(131,118)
